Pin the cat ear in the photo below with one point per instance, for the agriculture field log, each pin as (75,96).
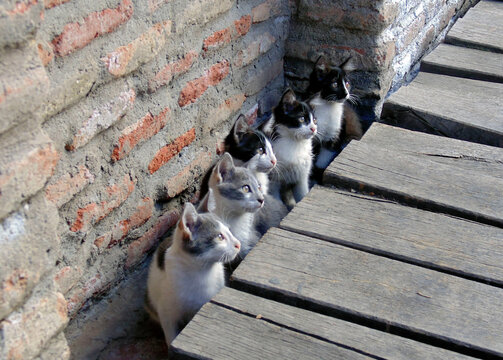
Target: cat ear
(240,127)
(207,204)
(288,101)
(348,65)
(322,65)
(188,221)
(225,167)
(267,126)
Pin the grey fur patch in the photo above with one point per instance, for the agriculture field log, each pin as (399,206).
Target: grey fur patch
(270,214)
(206,230)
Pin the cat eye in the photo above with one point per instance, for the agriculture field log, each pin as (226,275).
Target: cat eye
(347,84)
(261,151)
(334,85)
(301,119)
(246,189)
(221,237)
(314,120)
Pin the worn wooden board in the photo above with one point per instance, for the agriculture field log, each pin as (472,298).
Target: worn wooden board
(455,107)
(480,28)
(464,155)
(404,298)
(234,310)
(464,62)
(418,181)
(432,240)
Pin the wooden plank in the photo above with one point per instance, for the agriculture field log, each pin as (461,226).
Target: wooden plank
(235,310)
(417,180)
(338,281)
(431,240)
(466,155)
(455,107)
(464,62)
(480,28)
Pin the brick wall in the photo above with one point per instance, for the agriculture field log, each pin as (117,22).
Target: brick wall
(386,39)
(110,111)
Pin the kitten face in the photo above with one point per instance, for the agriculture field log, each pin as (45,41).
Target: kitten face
(294,118)
(237,187)
(250,146)
(206,237)
(330,82)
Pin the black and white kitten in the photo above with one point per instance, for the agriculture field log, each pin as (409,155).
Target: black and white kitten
(328,91)
(186,275)
(291,129)
(234,196)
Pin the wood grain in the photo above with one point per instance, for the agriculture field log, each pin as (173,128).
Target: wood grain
(451,106)
(453,245)
(336,280)
(480,28)
(236,310)
(464,62)
(417,180)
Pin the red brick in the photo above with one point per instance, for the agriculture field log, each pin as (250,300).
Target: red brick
(195,88)
(243,25)
(128,58)
(45,52)
(77,35)
(222,112)
(142,130)
(258,47)
(218,39)
(102,118)
(171,70)
(121,230)
(265,10)
(52,3)
(178,183)
(21,7)
(138,248)
(167,152)
(68,185)
(92,213)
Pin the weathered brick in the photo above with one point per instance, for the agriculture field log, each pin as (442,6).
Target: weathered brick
(195,88)
(57,349)
(153,5)
(258,47)
(121,230)
(242,25)
(172,70)
(93,212)
(45,52)
(223,37)
(24,168)
(19,21)
(102,118)
(167,152)
(65,188)
(26,239)
(215,116)
(66,277)
(265,10)
(138,248)
(411,32)
(128,58)
(260,78)
(252,114)
(76,299)
(201,12)
(77,35)
(52,3)
(178,183)
(23,85)
(31,328)
(142,130)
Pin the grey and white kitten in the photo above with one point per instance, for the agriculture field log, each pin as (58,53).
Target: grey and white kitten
(328,91)
(186,275)
(291,129)
(234,196)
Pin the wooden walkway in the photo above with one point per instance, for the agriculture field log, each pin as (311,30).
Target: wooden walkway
(399,255)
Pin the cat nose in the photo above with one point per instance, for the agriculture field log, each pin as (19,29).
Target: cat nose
(313,129)
(237,245)
(273,161)
(261,201)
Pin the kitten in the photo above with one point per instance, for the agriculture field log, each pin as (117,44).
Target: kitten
(186,275)
(291,128)
(234,196)
(252,149)
(328,91)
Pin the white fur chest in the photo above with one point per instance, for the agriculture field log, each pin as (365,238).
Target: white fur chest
(329,116)
(294,159)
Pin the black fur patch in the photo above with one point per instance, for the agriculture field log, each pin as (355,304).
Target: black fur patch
(328,82)
(248,145)
(292,114)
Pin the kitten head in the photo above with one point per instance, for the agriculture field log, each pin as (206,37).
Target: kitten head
(250,147)
(292,118)
(330,81)
(235,187)
(205,237)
